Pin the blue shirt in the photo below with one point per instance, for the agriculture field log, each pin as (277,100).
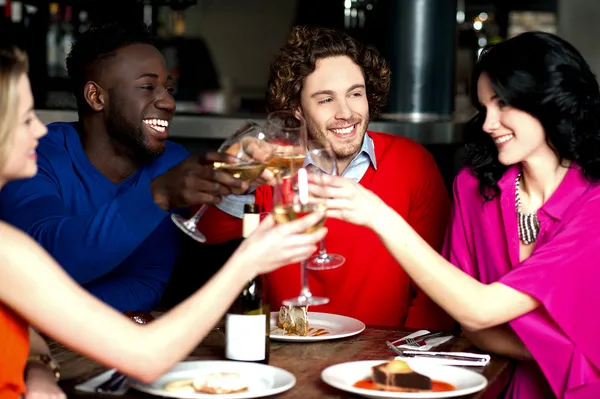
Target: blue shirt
(234,204)
(111,238)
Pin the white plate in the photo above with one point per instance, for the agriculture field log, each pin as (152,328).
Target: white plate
(263,380)
(344,375)
(334,325)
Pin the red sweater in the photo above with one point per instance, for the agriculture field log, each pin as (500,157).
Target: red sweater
(370,286)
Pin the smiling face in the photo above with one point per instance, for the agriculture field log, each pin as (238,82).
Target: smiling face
(138,104)
(334,104)
(22,159)
(518,136)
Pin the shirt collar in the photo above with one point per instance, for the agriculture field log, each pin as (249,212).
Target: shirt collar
(573,185)
(367,149)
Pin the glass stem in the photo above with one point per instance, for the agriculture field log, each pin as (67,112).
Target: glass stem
(193,221)
(322,250)
(305,291)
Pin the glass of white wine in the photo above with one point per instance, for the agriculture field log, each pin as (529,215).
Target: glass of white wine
(286,131)
(321,159)
(291,201)
(251,153)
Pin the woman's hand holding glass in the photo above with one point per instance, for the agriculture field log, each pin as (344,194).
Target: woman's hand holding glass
(347,200)
(274,245)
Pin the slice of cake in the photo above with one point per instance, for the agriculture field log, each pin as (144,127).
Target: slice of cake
(293,320)
(220,383)
(396,375)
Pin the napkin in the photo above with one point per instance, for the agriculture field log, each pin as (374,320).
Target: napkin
(437,358)
(430,343)
(91,384)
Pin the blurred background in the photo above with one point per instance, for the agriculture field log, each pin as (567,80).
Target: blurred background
(218,52)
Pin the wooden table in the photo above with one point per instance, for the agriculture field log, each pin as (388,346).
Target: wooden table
(304,360)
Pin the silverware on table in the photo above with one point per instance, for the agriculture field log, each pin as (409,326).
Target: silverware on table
(413,340)
(443,355)
(113,383)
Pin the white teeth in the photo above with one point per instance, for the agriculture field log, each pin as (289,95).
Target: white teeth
(156,123)
(345,130)
(503,139)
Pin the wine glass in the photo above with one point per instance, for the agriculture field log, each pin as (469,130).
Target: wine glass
(291,201)
(251,152)
(321,157)
(286,131)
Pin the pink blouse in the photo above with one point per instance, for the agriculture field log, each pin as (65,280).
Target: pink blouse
(562,273)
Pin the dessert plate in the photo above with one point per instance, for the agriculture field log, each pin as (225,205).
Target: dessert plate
(323,326)
(263,380)
(344,375)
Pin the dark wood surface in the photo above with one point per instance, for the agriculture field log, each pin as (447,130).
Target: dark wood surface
(304,360)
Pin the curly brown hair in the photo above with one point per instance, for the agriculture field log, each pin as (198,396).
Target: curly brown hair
(298,57)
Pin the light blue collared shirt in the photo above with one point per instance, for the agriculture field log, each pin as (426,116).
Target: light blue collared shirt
(234,204)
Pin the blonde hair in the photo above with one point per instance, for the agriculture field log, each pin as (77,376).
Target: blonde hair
(13,64)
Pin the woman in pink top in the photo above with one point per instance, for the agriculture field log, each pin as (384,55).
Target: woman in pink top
(522,234)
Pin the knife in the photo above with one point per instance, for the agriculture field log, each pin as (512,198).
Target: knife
(444,355)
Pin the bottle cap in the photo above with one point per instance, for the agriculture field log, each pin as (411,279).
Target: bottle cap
(250,208)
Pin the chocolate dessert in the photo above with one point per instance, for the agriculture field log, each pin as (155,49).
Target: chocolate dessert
(397,375)
(294,320)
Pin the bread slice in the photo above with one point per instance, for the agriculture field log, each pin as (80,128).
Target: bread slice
(184,386)
(220,383)
(396,375)
(294,320)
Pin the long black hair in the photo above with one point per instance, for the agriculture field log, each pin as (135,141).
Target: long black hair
(543,75)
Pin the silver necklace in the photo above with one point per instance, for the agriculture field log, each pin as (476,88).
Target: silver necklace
(529,226)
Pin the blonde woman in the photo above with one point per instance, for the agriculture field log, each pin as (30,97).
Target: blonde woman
(55,305)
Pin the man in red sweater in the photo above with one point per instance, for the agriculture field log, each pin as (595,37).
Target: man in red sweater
(338,86)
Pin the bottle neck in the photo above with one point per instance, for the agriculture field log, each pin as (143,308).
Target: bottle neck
(250,223)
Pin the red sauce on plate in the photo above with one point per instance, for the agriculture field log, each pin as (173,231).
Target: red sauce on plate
(436,386)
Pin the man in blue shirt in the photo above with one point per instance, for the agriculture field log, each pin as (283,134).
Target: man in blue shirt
(101,201)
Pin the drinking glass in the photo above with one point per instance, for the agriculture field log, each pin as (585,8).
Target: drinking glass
(251,152)
(322,159)
(291,201)
(286,131)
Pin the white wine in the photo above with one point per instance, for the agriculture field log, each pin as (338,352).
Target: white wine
(243,171)
(247,324)
(285,164)
(287,213)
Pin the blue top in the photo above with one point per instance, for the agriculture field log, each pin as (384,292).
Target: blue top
(111,238)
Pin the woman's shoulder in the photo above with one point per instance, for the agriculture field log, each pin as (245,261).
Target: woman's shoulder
(466,182)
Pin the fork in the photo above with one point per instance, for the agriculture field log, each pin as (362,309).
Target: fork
(413,342)
(417,340)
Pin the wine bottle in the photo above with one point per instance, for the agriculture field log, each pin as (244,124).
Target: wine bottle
(247,324)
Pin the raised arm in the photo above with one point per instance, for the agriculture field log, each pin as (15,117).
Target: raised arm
(59,307)
(89,243)
(473,304)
